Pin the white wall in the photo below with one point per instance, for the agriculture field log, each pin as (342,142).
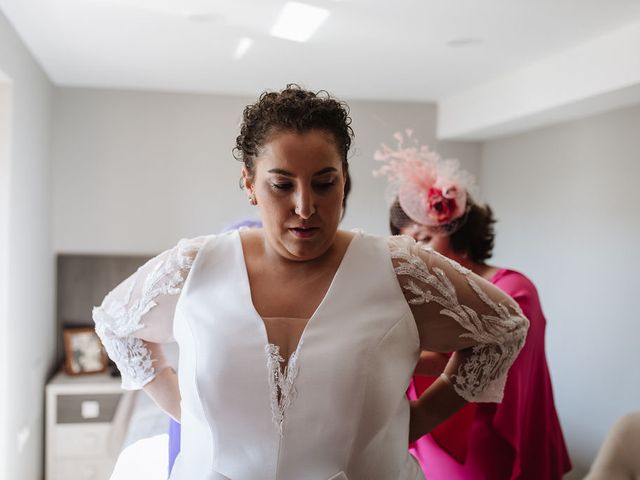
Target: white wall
(135,171)
(567,202)
(594,76)
(27,321)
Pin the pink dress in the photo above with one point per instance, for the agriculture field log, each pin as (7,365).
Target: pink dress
(519,438)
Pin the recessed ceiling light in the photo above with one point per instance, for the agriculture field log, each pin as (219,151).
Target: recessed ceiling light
(243,46)
(465,42)
(298,21)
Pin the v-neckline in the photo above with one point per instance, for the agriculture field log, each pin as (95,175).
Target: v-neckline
(281,374)
(316,312)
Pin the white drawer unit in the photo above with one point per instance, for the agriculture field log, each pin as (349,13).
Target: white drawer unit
(87,418)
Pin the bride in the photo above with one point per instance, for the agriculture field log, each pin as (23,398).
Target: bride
(298,340)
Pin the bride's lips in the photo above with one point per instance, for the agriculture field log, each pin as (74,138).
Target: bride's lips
(304,232)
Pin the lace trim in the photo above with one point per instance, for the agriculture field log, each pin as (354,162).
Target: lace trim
(118,318)
(133,359)
(481,376)
(281,382)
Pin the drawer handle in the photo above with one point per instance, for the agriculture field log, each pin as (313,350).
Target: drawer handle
(90,409)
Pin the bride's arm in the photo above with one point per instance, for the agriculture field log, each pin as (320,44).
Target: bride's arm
(457,311)
(136,318)
(431,364)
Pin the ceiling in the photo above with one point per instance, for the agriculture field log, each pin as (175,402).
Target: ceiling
(420,50)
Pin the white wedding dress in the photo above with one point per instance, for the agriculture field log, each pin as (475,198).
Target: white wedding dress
(338,409)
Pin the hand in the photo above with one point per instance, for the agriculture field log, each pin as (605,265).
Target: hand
(417,424)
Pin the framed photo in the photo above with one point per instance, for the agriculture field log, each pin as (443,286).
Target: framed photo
(83,351)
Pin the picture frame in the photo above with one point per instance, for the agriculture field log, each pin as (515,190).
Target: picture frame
(83,351)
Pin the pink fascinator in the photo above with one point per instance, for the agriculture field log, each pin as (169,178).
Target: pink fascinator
(431,191)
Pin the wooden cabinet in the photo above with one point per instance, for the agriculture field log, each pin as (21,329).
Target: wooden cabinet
(86,421)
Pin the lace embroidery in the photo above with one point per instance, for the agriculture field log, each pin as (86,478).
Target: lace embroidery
(118,318)
(482,375)
(281,382)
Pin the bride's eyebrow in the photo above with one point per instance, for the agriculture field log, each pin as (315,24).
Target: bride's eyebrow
(325,170)
(287,173)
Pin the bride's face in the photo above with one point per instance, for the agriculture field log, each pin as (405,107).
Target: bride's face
(299,187)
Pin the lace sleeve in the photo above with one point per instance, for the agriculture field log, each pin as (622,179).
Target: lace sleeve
(457,310)
(137,315)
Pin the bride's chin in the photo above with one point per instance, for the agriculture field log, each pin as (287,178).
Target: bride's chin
(303,251)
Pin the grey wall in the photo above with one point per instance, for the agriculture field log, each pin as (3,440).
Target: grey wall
(567,202)
(135,171)
(27,316)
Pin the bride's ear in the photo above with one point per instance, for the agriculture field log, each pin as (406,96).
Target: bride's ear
(245,180)
(247,186)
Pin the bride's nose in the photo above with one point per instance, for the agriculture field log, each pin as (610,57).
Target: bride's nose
(305,203)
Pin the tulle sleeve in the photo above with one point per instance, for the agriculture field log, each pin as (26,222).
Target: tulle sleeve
(136,317)
(458,311)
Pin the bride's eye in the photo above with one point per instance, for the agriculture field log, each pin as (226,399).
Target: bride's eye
(324,185)
(281,186)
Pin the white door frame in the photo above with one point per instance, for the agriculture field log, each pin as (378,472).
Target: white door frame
(6,91)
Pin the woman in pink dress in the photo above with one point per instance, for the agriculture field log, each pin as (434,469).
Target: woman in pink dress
(521,437)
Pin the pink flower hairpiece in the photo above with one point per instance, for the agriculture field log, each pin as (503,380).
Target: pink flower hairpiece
(430,190)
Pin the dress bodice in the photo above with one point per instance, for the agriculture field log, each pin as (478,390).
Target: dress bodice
(340,396)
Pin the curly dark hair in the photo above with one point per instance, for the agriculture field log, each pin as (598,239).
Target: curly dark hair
(475,237)
(294,109)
